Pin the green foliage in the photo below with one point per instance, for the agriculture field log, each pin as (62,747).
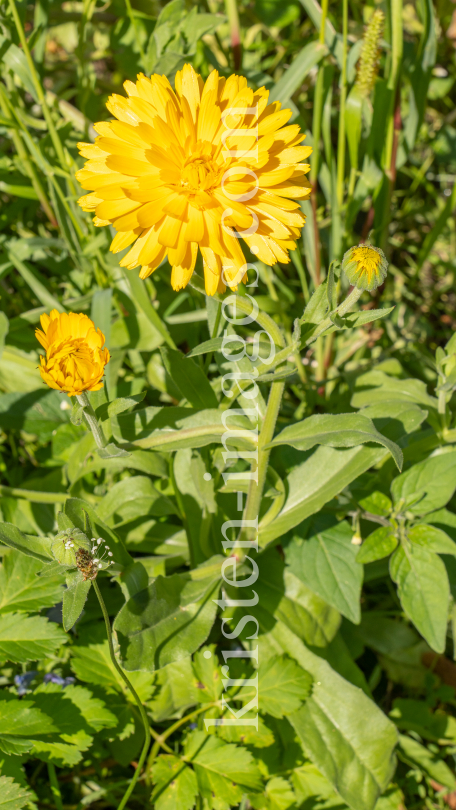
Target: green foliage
(339,655)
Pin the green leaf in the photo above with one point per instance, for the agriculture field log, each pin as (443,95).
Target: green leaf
(424,591)
(208,346)
(78,511)
(37,412)
(415,754)
(376,386)
(335,430)
(416,715)
(279,794)
(340,729)
(222,769)
(12,795)
(209,684)
(22,590)
(380,543)
(15,60)
(189,378)
(179,428)
(293,77)
(37,547)
(132,496)
(74,599)
(20,724)
(176,690)
(28,638)
(167,621)
(329,470)
(282,686)
(175,784)
(326,563)
(430,484)
(353,123)
(91,662)
(432,538)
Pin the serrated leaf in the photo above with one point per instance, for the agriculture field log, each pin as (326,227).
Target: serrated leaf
(424,591)
(326,563)
(282,686)
(12,795)
(208,684)
(167,621)
(22,590)
(175,784)
(20,724)
(222,769)
(336,430)
(28,638)
(74,599)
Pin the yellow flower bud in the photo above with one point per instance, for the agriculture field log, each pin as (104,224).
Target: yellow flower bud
(365,267)
(75,359)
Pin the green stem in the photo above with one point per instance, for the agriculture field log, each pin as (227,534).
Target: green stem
(343,95)
(32,496)
(214,335)
(235,32)
(397,47)
(341,310)
(316,130)
(92,421)
(141,708)
(255,493)
(37,85)
(55,789)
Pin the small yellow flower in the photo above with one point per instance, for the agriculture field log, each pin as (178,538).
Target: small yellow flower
(197,168)
(365,267)
(75,359)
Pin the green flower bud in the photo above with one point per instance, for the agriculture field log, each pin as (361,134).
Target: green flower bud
(67,543)
(365,267)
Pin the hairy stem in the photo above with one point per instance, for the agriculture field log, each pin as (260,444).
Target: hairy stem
(141,708)
(92,421)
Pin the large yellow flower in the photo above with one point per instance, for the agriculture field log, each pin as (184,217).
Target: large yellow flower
(197,167)
(75,358)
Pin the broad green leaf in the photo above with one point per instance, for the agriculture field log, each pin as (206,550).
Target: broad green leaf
(377,503)
(21,723)
(424,591)
(427,485)
(376,386)
(140,460)
(28,638)
(206,667)
(167,621)
(282,686)
(340,729)
(416,715)
(380,543)
(189,378)
(222,769)
(416,754)
(12,795)
(293,77)
(176,690)
(293,602)
(335,430)
(326,563)
(175,784)
(78,511)
(22,590)
(74,598)
(92,663)
(133,496)
(329,470)
(37,412)
(279,794)
(37,547)
(178,428)
(432,538)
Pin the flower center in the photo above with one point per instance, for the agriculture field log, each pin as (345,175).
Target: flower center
(200,172)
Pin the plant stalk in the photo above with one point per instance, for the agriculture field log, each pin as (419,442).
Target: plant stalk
(92,421)
(235,32)
(141,708)
(343,95)
(55,789)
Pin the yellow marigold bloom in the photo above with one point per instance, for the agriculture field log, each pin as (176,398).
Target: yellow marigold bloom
(192,167)
(365,267)
(75,358)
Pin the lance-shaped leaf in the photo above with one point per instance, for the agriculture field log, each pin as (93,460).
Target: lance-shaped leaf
(74,599)
(189,378)
(336,430)
(38,547)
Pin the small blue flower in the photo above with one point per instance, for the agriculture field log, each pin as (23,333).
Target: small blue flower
(23,681)
(52,677)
